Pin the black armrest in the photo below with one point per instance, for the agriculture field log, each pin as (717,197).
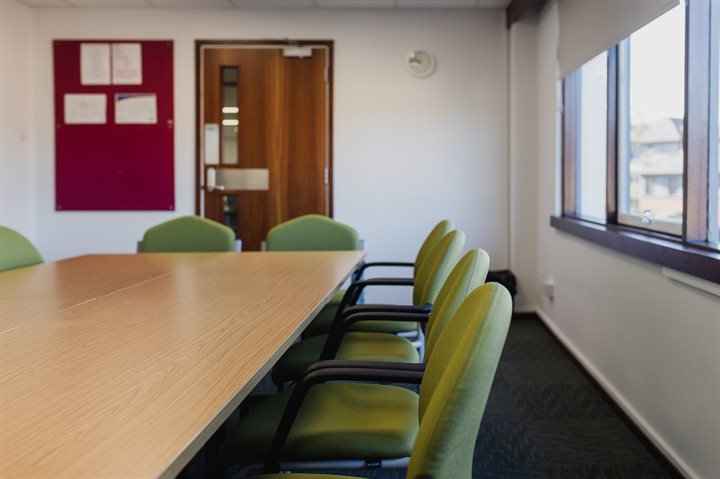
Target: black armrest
(356,288)
(386,308)
(345,364)
(359,271)
(385,282)
(318,377)
(341,326)
(384,316)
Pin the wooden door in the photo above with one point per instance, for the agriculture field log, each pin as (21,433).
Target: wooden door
(264,134)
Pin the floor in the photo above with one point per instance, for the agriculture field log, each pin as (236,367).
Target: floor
(545,418)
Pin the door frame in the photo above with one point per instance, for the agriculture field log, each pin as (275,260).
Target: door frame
(199,91)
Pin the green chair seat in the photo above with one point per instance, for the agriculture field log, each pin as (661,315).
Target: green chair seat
(188,234)
(16,251)
(336,421)
(356,346)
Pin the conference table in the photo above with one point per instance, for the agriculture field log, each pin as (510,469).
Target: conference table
(125,365)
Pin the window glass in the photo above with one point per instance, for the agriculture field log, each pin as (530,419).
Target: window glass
(229,112)
(592,139)
(651,117)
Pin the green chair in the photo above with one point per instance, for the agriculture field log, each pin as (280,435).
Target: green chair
(427,283)
(312,233)
(188,234)
(379,318)
(323,321)
(334,414)
(436,234)
(469,273)
(16,251)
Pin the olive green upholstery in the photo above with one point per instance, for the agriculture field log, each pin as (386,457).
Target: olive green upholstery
(16,251)
(188,234)
(312,233)
(324,319)
(453,392)
(457,383)
(336,420)
(436,234)
(356,345)
(436,268)
(469,273)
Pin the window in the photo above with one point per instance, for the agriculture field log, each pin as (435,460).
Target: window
(641,168)
(592,138)
(651,118)
(586,138)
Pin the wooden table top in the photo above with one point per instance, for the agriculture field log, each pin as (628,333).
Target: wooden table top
(124,365)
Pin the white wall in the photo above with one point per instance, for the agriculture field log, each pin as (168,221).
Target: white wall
(653,344)
(523,162)
(407,152)
(17,199)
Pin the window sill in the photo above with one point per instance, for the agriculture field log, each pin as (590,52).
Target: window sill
(664,251)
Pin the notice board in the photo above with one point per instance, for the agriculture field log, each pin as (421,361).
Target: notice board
(113,125)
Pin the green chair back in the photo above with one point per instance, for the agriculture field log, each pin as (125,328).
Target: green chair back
(188,234)
(437,233)
(436,267)
(468,274)
(16,251)
(312,233)
(457,382)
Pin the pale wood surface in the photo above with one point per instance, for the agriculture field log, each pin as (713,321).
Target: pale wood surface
(54,287)
(91,276)
(133,381)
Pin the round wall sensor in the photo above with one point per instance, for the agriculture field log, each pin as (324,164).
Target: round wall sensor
(420,63)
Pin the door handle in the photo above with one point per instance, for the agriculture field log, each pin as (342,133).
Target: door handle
(211,181)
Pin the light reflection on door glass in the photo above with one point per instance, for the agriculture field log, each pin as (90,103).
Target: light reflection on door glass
(229,111)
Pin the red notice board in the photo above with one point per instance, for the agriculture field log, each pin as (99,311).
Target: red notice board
(111,166)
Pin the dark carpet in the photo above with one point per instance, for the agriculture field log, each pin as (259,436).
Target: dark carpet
(545,418)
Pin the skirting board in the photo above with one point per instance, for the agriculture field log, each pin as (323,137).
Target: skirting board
(634,416)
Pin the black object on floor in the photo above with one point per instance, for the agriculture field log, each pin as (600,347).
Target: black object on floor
(546,418)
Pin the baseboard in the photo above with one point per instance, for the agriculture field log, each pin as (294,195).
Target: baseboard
(630,412)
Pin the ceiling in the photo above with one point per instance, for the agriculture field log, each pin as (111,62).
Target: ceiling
(304,4)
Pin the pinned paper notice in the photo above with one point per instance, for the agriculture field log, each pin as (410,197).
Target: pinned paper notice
(126,64)
(135,108)
(85,109)
(94,64)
